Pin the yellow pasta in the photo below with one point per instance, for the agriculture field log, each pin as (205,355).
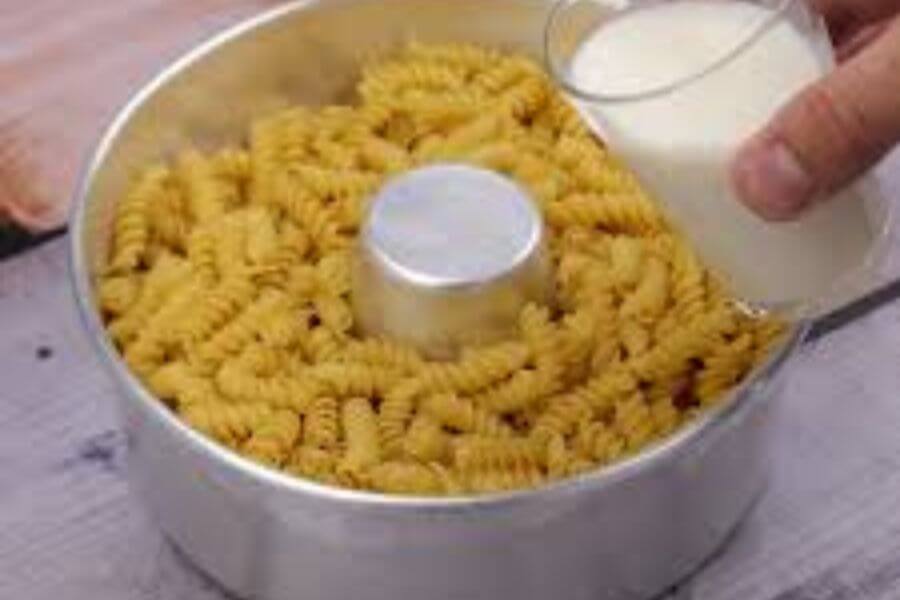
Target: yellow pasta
(202,251)
(464,415)
(619,214)
(209,195)
(313,463)
(408,478)
(132,227)
(353,380)
(164,278)
(241,385)
(476,369)
(599,443)
(178,382)
(649,300)
(272,440)
(396,411)
(360,428)
(723,367)
(562,416)
(384,353)
(626,255)
(322,345)
(487,465)
(169,221)
(688,290)
(158,335)
(221,305)
(426,440)
(322,424)
(229,423)
(116,295)
(228,291)
(633,421)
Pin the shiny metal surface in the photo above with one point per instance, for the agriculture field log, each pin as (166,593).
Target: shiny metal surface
(448,256)
(624,533)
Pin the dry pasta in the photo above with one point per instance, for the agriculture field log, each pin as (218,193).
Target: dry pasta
(228,291)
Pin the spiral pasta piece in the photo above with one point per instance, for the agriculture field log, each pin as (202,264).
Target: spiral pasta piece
(132,228)
(426,440)
(670,357)
(235,164)
(273,438)
(600,443)
(687,284)
(148,351)
(383,353)
(767,332)
(353,380)
(360,427)
(117,295)
(626,262)
(168,219)
(649,300)
(202,252)
(396,412)
(601,391)
(280,392)
(393,80)
(334,313)
(307,212)
(636,339)
(494,465)
(313,463)
(540,335)
(631,215)
(166,277)
(522,390)
(464,415)
(324,183)
(562,416)
(413,478)
(323,345)
(468,57)
(723,367)
(229,423)
(224,302)
(322,423)
(633,421)
(209,196)
(178,383)
(474,453)
(476,370)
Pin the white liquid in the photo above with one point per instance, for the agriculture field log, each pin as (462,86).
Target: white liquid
(680,143)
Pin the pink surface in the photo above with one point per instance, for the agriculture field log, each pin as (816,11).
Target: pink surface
(65,68)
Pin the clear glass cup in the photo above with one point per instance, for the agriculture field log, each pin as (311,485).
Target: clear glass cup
(674,87)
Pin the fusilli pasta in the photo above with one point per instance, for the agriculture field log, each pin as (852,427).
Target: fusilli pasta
(228,290)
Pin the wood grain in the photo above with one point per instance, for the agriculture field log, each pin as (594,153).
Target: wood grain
(65,67)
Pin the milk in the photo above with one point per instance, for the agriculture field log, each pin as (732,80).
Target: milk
(680,143)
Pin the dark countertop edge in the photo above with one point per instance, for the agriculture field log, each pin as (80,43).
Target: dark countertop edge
(15,240)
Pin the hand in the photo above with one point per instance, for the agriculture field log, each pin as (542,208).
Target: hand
(838,127)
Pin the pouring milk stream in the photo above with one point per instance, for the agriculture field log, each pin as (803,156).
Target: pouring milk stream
(680,143)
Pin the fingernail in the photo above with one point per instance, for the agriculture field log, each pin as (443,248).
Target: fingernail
(771,181)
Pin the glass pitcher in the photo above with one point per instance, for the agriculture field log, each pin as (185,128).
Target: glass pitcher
(674,87)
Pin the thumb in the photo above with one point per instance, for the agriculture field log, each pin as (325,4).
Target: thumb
(831,133)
